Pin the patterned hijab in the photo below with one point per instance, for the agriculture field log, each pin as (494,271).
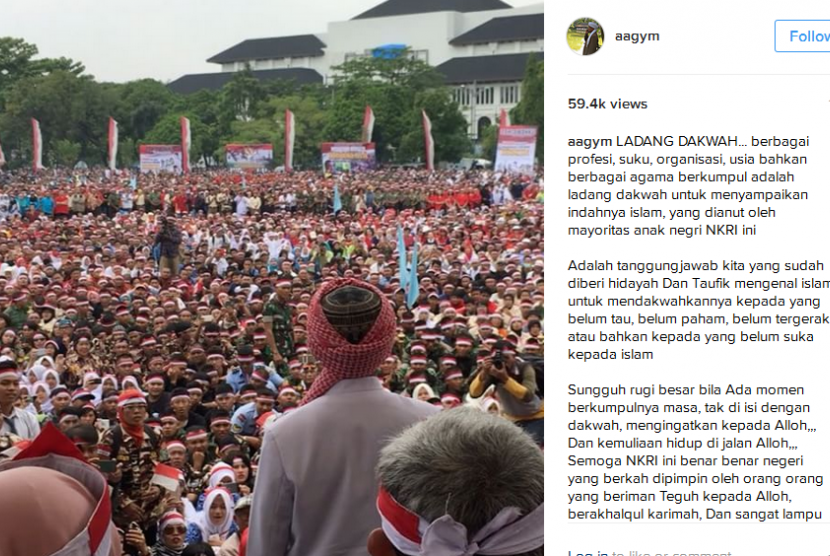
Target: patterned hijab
(351,330)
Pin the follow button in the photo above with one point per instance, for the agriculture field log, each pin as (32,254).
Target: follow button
(802,35)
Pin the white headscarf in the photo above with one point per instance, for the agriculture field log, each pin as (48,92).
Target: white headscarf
(206,525)
(218,472)
(46,361)
(37,370)
(54,373)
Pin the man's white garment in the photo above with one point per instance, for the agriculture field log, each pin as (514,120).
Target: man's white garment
(316,486)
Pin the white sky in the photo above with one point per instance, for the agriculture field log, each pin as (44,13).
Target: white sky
(121,40)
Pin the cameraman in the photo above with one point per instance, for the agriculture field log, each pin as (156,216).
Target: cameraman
(515,383)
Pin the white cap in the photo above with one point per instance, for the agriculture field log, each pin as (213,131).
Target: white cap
(593,25)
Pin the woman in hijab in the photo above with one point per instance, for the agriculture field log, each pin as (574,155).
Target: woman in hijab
(215,522)
(221,475)
(36,373)
(52,378)
(40,396)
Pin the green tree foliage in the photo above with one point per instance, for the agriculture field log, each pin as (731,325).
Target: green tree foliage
(127,152)
(17,62)
(142,104)
(68,107)
(449,128)
(391,87)
(64,153)
(310,121)
(168,131)
(531,109)
(73,110)
(489,139)
(241,95)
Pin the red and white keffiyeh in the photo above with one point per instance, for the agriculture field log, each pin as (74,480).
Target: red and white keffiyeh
(509,532)
(339,359)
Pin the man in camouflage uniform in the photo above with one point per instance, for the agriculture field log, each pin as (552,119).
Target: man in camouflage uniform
(276,316)
(135,449)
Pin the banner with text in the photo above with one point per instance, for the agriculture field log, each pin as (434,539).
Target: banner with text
(516,149)
(249,156)
(160,158)
(348,157)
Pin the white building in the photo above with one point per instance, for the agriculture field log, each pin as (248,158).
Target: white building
(480,46)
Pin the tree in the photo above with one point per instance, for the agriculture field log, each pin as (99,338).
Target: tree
(449,128)
(241,94)
(269,127)
(127,153)
(390,86)
(17,63)
(15,60)
(68,107)
(168,131)
(489,140)
(401,68)
(310,121)
(65,152)
(142,104)
(531,109)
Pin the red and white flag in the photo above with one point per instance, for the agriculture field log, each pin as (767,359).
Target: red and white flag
(37,146)
(428,142)
(504,118)
(368,124)
(2,157)
(185,123)
(112,144)
(289,140)
(166,477)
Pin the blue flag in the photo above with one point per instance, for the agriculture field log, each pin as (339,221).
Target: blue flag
(338,205)
(402,270)
(412,294)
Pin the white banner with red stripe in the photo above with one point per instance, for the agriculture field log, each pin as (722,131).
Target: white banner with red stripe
(37,146)
(112,144)
(289,140)
(368,124)
(185,123)
(429,145)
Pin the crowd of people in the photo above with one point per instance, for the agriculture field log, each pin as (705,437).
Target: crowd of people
(161,319)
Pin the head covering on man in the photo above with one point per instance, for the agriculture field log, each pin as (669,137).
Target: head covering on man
(351,332)
(450,486)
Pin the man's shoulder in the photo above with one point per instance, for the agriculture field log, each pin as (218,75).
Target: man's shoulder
(381,405)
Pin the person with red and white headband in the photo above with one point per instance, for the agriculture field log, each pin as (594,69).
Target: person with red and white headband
(135,449)
(171,540)
(452,507)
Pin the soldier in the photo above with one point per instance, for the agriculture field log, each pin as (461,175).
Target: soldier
(278,326)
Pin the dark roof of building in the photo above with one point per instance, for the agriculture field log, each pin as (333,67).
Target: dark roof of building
(483,69)
(505,29)
(271,48)
(191,83)
(406,7)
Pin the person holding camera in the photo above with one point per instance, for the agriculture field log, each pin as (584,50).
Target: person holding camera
(516,389)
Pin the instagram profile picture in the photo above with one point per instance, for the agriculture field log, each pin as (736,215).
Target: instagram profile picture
(585,36)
